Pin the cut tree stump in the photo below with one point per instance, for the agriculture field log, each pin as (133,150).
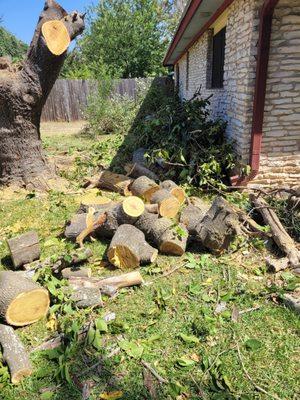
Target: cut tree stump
(14,354)
(24,249)
(280,235)
(144,187)
(219,226)
(129,279)
(174,189)
(168,205)
(22,301)
(129,249)
(135,170)
(79,272)
(133,206)
(114,182)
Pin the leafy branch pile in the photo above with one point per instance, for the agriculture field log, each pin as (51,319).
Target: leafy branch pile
(187,142)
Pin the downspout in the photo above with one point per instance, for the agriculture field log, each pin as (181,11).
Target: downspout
(263,50)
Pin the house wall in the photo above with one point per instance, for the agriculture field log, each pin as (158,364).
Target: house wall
(281,134)
(280,158)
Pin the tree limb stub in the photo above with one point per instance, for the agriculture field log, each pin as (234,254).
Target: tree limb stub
(280,235)
(14,354)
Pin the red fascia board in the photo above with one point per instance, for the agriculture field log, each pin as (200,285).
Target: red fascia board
(182,27)
(213,18)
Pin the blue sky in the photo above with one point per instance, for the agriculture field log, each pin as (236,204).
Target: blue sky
(20,16)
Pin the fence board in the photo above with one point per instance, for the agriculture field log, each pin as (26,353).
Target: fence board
(69,97)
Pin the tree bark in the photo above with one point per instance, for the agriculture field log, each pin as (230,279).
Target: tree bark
(23,94)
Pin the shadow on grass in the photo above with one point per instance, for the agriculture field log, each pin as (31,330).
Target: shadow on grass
(160,90)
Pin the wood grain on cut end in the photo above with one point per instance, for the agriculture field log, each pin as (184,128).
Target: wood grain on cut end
(168,205)
(122,257)
(56,36)
(133,206)
(28,308)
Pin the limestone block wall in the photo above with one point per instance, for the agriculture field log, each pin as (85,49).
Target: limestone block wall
(280,158)
(232,102)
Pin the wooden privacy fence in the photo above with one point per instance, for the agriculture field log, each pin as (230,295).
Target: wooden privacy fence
(69,97)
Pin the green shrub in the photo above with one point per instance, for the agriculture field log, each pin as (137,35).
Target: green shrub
(189,142)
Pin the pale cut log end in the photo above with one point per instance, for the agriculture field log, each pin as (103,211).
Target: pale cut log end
(56,36)
(28,307)
(133,206)
(179,193)
(169,207)
(122,257)
(171,248)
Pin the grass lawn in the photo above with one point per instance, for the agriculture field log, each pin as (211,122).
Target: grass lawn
(173,322)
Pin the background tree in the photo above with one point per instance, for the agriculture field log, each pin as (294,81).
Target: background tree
(11,46)
(125,39)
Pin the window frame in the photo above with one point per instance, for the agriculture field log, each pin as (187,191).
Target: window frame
(218,46)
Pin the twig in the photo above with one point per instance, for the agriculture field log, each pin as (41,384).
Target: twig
(154,373)
(249,310)
(213,363)
(167,273)
(258,388)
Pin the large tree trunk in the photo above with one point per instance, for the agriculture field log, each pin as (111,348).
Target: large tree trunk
(23,94)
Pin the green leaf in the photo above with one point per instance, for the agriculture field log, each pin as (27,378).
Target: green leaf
(101,325)
(90,335)
(132,349)
(253,344)
(97,342)
(47,395)
(185,362)
(191,339)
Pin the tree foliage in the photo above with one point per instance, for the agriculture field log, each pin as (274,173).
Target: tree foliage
(125,39)
(10,45)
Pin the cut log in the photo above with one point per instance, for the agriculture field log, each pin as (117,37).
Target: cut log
(168,205)
(174,189)
(133,206)
(277,264)
(191,216)
(56,36)
(133,278)
(87,297)
(151,208)
(136,170)
(24,249)
(144,187)
(76,272)
(100,208)
(280,235)
(219,226)
(114,182)
(169,238)
(22,301)
(14,354)
(129,249)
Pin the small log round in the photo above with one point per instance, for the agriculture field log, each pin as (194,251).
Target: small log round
(22,301)
(174,240)
(133,206)
(128,248)
(115,182)
(87,297)
(144,187)
(174,189)
(14,354)
(24,249)
(145,224)
(168,205)
(79,272)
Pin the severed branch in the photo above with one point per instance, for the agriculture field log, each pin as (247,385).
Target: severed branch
(154,373)
(279,234)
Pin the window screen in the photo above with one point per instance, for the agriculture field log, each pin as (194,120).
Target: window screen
(218,59)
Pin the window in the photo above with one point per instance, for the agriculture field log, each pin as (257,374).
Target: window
(218,58)
(187,76)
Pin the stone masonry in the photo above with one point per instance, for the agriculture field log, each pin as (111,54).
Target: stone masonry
(280,159)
